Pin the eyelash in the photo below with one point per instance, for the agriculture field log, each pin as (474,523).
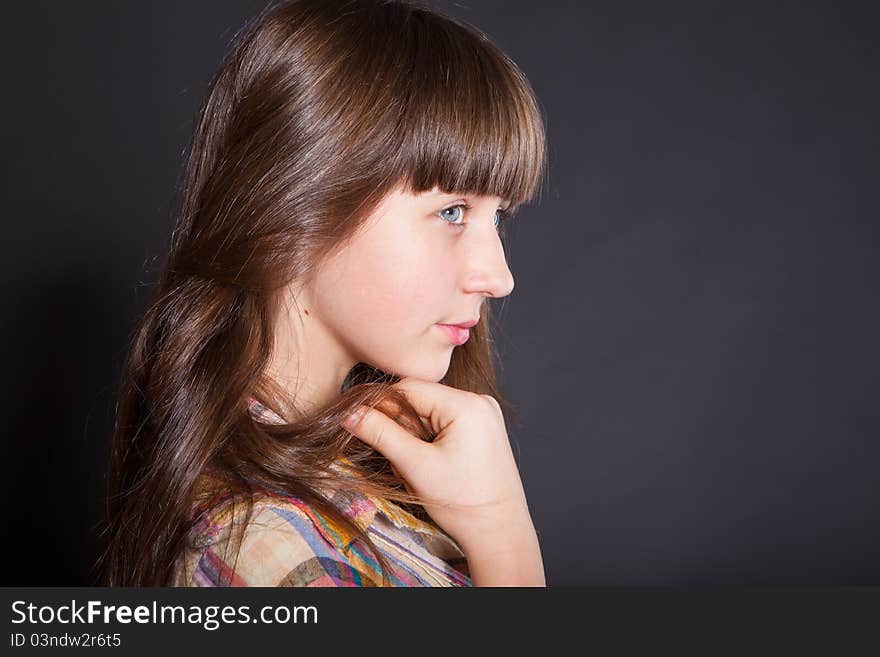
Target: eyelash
(503,215)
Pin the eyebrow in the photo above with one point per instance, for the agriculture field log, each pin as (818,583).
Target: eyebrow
(505,203)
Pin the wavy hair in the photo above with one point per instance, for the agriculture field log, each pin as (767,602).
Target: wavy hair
(319,109)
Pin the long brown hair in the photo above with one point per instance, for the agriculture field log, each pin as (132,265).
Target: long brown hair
(319,110)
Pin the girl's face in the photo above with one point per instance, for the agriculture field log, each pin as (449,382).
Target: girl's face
(420,260)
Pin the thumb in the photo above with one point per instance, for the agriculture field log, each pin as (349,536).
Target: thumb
(385,436)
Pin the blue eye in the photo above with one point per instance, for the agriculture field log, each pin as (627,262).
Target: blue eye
(500,215)
(454,207)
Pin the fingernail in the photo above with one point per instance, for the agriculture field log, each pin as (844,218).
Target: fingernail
(352,419)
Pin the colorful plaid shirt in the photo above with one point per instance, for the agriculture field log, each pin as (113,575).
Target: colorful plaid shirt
(288,543)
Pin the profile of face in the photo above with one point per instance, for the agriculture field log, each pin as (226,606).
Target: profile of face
(419,261)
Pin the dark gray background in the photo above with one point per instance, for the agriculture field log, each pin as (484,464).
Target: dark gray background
(692,341)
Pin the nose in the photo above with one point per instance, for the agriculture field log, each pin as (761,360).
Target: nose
(486,271)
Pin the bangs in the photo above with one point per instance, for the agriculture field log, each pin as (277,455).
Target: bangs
(471,122)
(410,98)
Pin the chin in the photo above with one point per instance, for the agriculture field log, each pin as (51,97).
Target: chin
(434,374)
(426,370)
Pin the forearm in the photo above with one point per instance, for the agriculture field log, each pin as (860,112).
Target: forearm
(511,558)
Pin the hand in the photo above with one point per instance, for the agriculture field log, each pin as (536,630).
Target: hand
(467,475)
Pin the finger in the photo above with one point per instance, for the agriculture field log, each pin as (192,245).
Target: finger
(435,402)
(387,437)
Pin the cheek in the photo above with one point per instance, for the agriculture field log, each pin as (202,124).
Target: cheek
(397,292)
(397,283)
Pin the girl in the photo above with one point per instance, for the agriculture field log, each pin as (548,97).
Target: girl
(310,399)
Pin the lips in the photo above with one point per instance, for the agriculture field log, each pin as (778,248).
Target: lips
(467,324)
(457,334)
